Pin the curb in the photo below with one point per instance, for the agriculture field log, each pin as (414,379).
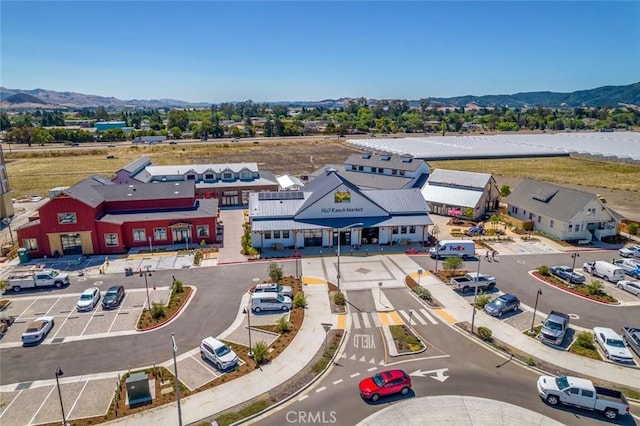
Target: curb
(531,273)
(393,352)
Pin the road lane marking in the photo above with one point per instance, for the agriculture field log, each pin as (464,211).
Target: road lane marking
(365,321)
(429,317)
(447,317)
(303,397)
(356,321)
(354,375)
(321,389)
(372,369)
(406,318)
(376,321)
(338,381)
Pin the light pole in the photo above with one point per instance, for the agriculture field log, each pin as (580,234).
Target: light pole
(475,296)
(146,283)
(339,234)
(249,308)
(574,255)
(535,308)
(176,384)
(58,374)
(7,221)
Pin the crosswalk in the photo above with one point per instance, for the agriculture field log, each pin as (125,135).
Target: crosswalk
(364,320)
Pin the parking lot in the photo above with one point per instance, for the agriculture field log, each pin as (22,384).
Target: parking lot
(72,325)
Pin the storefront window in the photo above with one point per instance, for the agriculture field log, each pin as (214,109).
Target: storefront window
(111,240)
(160,234)
(203,231)
(139,235)
(30,244)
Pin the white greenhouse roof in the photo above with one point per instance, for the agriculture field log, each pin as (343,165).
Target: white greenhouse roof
(621,144)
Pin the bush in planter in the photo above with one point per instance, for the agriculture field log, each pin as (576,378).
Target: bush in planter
(633,228)
(299,300)
(485,333)
(422,293)
(157,310)
(275,272)
(595,288)
(482,300)
(585,340)
(260,352)
(339,299)
(543,270)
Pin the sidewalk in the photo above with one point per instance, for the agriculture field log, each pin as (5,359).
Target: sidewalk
(309,339)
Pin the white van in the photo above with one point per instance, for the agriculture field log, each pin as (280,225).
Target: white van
(452,248)
(270,302)
(605,270)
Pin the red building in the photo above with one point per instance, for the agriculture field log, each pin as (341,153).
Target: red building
(96,216)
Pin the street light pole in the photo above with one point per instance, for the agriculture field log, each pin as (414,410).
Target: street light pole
(535,308)
(475,296)
(574,255)
(146,283)
(176,384)
(7,221)
(339,232)
(58,374)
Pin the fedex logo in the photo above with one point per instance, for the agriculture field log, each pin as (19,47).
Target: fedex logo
(456,248)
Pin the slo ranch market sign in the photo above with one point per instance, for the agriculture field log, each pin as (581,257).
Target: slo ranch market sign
(341,210)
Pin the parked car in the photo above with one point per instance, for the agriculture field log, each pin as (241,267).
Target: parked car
(633,251)
(385,383)
(173,143)
(270,302)
(88,299)
(631,267)
(632,287)
(37,330)
(111,145)
(631,336)
(502,304)
(612,345)
(113,297)
(218,353)
(568,274)
(274,288)
(605,270)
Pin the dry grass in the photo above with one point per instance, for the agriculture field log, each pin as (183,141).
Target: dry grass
(34,172)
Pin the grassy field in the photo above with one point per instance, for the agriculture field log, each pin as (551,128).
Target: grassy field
(35,172)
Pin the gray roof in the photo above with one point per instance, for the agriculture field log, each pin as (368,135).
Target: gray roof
(459,178)
(387,161)
(548,199)
(147,191)
(367,180)
(206,209)
(273,208)
(86,192)
(137,165)
(399,200)
(200,169)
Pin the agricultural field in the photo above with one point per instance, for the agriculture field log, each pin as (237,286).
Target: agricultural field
(34,172)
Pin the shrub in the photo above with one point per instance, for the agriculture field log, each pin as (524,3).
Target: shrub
(531,362)
(275,272)
(421,292)
(585,340)
(633,228)
(482,300)
(339,299)
(197,257)
(452,263)
(299,300)
(260,352)
(595,288)
(157,310)
(543,270)
(485,333)
(283,325)
(177,286)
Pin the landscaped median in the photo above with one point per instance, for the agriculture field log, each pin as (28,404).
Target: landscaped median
(161,314)
(593,291)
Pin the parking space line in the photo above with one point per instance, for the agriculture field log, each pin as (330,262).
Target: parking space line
(54,304)
(25,309)
(62,325)
(115,317)
(215,373)
(93,314)
(11,403)
(78,397)
(44,400)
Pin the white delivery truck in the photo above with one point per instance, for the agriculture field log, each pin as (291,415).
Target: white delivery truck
(605,270)
(453,248)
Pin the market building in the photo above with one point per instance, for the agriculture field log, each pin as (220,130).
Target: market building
(97,216)
(331,208)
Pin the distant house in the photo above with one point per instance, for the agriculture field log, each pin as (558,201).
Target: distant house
(567,214)
(453,192)
(101,126)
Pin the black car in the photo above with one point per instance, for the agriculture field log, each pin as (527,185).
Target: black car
(502,305)
(113,297)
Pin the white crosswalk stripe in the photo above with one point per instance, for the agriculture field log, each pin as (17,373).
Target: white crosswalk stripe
(429,317)
(356,321)
(365,320)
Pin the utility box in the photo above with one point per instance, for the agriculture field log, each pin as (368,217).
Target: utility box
(23,255)
(138,389)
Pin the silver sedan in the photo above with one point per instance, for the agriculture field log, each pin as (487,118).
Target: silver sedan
(632,287)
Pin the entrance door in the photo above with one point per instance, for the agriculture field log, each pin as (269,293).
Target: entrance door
(181,235)
(345,238)
(370,235)
(71,244)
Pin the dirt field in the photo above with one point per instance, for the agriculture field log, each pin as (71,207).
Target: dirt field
(35,172)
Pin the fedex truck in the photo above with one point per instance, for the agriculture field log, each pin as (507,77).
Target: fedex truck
(451,248)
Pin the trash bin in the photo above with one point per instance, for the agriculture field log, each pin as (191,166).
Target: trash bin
(23,255)
(128,272)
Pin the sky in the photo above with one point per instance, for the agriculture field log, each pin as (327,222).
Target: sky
(216,51)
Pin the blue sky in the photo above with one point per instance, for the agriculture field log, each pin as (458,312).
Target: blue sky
(268,51)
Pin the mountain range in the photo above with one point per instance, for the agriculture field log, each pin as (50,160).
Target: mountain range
(628,95)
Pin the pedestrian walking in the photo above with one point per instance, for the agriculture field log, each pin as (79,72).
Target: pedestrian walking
(493,255)
(486,256)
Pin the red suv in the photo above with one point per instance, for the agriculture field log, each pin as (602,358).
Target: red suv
(385,383)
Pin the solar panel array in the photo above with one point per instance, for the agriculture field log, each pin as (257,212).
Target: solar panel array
(624,145)
(281,195)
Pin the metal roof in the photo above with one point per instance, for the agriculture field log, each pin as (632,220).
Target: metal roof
(399,200)
(86,192)
(147,191)
(459,178)
(205,209)
(451,196)
(387,161)
(273,208)
(287,181)
(137,165)
(176,170)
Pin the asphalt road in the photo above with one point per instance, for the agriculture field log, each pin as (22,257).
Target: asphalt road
(471,369)
(512,277)
(211,311)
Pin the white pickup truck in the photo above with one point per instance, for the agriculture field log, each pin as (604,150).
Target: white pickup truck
(39,278)
(472,280)
(582,393)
